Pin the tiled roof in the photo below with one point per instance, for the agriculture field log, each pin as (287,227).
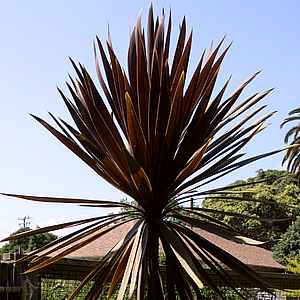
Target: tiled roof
(251,255)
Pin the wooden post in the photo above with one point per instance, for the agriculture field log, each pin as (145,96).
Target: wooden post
(31,287)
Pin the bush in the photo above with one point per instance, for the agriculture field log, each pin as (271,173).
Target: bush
(289,244)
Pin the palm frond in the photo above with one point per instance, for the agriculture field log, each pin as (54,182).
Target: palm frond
(292,137)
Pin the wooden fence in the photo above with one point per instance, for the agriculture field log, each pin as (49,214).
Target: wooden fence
(14,285)
(10,282)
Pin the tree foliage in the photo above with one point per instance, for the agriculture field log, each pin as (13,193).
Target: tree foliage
(160,139)
(27,243)
(289,245)
(277,196)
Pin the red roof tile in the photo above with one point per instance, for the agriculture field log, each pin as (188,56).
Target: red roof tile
(251,255)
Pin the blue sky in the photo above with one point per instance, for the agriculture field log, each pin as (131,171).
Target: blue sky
(38,36)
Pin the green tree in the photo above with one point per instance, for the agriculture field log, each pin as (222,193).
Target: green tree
(293,265)
(129,205)
(275,197)
(27,243)
(289,245)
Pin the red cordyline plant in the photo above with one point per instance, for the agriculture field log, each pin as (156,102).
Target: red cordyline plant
(160,140)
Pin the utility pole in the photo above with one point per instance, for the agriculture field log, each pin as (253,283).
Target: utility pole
(24,223)
(192,207)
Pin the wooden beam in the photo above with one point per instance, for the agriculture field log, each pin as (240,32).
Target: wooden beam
(76,269)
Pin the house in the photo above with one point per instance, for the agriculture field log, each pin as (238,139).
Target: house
(76,265)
